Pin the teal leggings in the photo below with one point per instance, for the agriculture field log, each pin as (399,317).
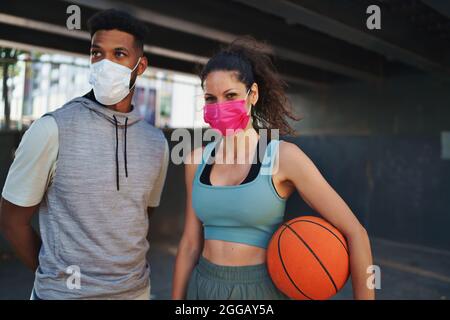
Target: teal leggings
(210,281)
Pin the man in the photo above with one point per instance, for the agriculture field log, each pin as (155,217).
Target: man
(91,169)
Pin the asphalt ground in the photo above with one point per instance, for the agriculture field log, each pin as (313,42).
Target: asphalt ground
(407,272)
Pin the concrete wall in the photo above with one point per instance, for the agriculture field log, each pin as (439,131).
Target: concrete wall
(380,147)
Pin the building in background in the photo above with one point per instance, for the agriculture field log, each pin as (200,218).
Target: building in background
(42,82)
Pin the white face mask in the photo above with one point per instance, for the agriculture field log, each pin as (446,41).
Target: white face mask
(110,81)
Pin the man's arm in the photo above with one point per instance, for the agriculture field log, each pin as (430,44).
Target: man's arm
(28,178)
(15,225)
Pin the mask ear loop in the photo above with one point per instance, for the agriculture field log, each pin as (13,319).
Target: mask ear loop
(250,109)
(251,105)
(139,60)
(248,92)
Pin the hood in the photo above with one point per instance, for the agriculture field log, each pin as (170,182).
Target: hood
(120,120)
(133,116)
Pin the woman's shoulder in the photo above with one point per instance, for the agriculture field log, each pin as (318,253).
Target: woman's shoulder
(194,157)
(286,146)
(289,151)
(293,160)
(191,162)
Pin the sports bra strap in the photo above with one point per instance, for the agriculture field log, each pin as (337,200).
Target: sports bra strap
(207,151)
(266,164)
(269,158)
(205,156)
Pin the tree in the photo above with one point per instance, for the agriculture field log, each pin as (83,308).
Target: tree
(8,60)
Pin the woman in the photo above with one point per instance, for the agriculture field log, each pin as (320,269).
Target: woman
(233,209)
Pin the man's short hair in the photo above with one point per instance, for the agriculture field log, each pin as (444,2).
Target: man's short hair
(115,19)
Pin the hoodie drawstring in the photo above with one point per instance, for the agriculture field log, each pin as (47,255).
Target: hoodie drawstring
(117,150)
(125,152)
(117,153)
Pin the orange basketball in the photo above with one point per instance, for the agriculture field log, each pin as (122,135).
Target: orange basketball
(308,258)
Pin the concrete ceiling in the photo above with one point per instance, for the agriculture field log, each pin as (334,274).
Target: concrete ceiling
(316,42)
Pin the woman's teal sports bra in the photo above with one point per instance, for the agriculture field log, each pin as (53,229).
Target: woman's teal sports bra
(247,213)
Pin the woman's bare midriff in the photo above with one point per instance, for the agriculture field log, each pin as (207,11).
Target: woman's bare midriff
(227,253)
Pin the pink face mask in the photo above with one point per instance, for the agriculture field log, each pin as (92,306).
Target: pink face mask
(227,117)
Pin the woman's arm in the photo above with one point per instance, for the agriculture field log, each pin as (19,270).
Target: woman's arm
(191,242)
(297,169)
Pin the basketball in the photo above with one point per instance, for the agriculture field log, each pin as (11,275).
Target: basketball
(308,259)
